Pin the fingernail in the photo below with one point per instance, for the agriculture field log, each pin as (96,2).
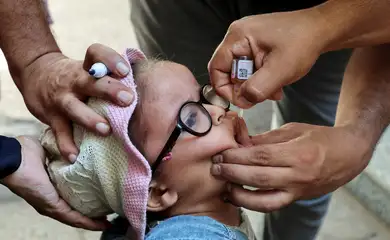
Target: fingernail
(125,97)
(216,170)
(72,158)
(103,128)
(217,159)
(122,68)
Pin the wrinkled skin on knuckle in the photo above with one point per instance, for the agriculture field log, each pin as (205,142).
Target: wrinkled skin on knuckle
(261,157)
(69,73)
(259,179)
(63,80)
(228,172)
(54,90)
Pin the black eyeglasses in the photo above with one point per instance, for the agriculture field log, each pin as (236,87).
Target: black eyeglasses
(194,119)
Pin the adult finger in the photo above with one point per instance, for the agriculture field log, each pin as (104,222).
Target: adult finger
(83,115)
(242,136)
(220,64)
(259,200)
(220,80)
(106,88)
(267,80)
(220,67)
(254,176)
(277,96)
(66,215)
(239,101)
(272,155)
(113,60)
(280,135)
(248,47)
(62,131)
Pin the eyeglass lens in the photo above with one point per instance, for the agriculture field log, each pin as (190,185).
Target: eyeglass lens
(195,117)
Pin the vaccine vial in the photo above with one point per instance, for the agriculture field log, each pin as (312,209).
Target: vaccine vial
(242,69)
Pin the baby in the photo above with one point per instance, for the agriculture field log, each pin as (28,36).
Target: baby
(157,160)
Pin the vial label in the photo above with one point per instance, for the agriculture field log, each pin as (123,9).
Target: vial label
(244,69)
(234,69)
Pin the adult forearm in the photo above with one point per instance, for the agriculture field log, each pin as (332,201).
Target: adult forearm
(364,100)
(24,34)
(354,23)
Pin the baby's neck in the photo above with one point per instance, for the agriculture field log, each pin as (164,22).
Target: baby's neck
(216,208)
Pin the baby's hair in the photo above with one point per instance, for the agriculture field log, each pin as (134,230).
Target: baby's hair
(140,69)
(146,92)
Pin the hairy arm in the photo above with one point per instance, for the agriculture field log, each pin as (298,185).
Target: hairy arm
(24,34)
(364,100)
(354,23)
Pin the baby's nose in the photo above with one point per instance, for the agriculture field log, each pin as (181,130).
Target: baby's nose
(217,113)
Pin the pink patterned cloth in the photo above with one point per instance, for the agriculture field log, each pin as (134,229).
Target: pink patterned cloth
(139,172)
(110,174)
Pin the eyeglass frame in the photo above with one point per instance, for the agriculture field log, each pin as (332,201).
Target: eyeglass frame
(204,100)
(180,126)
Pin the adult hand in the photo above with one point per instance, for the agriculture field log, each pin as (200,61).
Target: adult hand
(297,161)
(56,87)
(284,47)
(31,182)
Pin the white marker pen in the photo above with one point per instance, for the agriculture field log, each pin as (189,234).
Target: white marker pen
(98,70)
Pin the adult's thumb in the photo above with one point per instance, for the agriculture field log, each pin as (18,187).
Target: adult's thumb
(267,81)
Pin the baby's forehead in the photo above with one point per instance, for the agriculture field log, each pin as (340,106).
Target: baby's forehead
(162,88)
(170,72)
(162,79)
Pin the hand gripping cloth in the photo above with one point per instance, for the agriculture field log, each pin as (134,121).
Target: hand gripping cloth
(110,174)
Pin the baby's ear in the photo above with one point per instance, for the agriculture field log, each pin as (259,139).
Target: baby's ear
(160,197)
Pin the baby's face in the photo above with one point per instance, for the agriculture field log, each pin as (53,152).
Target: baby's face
(188,171)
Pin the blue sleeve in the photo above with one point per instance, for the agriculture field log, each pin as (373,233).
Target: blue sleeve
(10,156)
